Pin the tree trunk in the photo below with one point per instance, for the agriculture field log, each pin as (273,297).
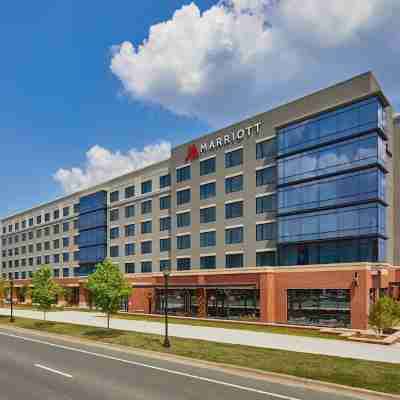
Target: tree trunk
(108,320)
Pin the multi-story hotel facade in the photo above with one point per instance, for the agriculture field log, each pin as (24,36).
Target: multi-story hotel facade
(290,216)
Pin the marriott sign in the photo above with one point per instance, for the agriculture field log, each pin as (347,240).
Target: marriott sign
(232,137)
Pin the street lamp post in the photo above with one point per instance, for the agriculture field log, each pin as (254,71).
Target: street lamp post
(11,300)
(166,343)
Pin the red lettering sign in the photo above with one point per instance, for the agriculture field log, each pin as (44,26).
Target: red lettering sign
(192,153)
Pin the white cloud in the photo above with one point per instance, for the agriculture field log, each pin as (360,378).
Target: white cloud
(241,56)
(102,164)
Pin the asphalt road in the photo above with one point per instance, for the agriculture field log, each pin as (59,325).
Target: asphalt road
(34,367)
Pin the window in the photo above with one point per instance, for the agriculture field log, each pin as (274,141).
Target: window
(208,215)
(266,231)
(65,257)
(146,206)
(47,259)
(165,202)
(146,247)
(207,166)
(207,262)
(165,181)
(56,214)
(129,211)
(265,204)
(234,235)
(65,226)
(130,191)
(129,249)
(38,234)
(114,196)
(183,219)
(266,149)
(56,244)
(234,184)
(65,211)
(65,272)
(114,251)
(76,224)
(207,239)
(130,230)
(23,224)
(56,258)
(183,264)
(165,244)
(183,197)
(147,187)
(233,158)
(183,174)
(23,275)
(38,220)
(146,266)
(65,241)
(114,215)
(114,233)
(266,176)
(266,258)
(46,219)
(47,231)
(38,246)
(165,224)
(56,229)
(165,265)
(129,268)
(30,221)
(76,208)
(234,260)
(234,210)
(183,242)
(207,190)
(146,227)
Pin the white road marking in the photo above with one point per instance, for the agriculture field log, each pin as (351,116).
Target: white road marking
(153,367)
(53,370)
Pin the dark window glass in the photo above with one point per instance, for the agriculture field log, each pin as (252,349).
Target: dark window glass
(129,268)
(266,176)
(183,219)
(30,221)
(129,211)
(234,210)
(165,224)
(65,211)
(234,158)
(114,215)
(183,174)
(146,247)
(146,206)
(65,272)
(56,214)
(147,187)
(65,257)
(47,231)
(165,265)
(165,181)
(208,262)
(146,266)
(265,204)
(114,196)
(266,149)
(266,231)
(165,202)
(234,235)
(146,227)
(114,251)
(114,233)
(207,190)
(76,208)
(183,197)
(234,184)
(56,258)
(165,244)
(207,215)
(65,242)
(129,191)
(38,221)
(234,261)
(208,239)
(183,264)
(94,237)
(65,226)
(46,218)
(207,166)
(56,244)
(56,229)
(129,249)
(183,242)
(130,230)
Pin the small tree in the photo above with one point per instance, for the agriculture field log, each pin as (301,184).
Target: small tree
(45,290)
(24,292)
(385,314)
(3,289)
(108,287)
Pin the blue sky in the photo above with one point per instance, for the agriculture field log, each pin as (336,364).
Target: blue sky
(64,90)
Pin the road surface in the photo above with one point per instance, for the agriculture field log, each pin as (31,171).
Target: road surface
(35,367)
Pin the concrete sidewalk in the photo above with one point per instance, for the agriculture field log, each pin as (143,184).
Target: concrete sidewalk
(337,348)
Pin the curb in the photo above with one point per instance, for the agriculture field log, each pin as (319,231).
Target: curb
(289,380)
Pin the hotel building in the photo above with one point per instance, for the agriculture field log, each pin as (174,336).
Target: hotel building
(290,216)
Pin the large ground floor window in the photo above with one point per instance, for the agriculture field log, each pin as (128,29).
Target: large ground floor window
(324,307)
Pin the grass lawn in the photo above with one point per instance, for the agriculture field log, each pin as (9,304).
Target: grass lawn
(383,377)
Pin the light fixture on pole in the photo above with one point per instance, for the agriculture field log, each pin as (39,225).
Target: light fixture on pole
(166,273)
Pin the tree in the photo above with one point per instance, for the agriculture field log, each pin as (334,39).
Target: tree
(108,287)
(24,292)
(385,314)
(3,289)
(45,290)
